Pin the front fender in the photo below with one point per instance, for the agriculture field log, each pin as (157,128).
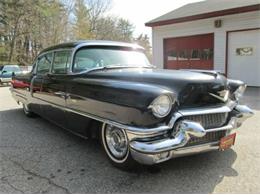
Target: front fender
(120,101)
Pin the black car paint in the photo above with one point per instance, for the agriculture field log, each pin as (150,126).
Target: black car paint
(120,95)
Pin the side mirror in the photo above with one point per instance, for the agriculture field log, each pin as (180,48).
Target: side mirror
(4,71)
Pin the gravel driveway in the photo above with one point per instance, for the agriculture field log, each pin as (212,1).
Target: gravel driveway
(39,157)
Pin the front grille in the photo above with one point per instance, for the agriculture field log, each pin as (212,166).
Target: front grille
(209,121)
(209,137)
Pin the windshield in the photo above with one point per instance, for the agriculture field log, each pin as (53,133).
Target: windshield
(90,58)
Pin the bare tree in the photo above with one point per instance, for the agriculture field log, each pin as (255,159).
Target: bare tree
(96,9)
(28,26)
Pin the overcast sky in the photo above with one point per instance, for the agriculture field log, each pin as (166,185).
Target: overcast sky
(142,11)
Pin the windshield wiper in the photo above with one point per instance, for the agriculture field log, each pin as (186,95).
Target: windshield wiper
(128,66)
(111,66)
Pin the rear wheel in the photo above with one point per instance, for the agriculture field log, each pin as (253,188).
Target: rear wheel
(116,145)
(27,111)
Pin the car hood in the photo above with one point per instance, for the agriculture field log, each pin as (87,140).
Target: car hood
(191,88)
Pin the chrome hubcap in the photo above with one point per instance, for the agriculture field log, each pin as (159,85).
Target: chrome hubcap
(116,141)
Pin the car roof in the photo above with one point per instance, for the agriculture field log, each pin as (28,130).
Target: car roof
(83,43)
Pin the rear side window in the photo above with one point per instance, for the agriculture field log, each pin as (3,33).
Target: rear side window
(44,63)
(61,62)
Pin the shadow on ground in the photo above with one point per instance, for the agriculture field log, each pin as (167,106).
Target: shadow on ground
(58,161)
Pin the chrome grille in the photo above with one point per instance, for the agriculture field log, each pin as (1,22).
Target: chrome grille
(209,137)
(209,121)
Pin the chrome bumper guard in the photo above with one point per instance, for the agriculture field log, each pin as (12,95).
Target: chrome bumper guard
(156,151)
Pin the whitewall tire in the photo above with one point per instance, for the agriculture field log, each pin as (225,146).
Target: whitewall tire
(116,146)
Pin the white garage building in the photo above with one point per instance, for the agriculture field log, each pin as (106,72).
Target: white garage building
(222,35)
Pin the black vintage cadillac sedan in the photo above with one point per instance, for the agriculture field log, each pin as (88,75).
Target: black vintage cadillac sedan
(141,114)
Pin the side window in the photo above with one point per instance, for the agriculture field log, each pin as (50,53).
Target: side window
(44,63)
(61,62)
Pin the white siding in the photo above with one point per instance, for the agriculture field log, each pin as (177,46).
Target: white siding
(229,23)
(244,67)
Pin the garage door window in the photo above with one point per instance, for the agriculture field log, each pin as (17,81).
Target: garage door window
(207,54)
(183,55)
(195,54)
(172,55)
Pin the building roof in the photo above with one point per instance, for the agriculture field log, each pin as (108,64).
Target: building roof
(83,43)
(205,9)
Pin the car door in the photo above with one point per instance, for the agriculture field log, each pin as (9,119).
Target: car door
(54,88)
(42,68)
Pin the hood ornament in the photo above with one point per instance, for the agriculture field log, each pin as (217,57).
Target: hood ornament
(222,95)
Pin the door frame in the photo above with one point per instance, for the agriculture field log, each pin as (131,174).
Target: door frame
(193,35)
(227,46)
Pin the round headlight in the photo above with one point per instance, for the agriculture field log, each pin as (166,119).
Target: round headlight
(161,106)
(240,91)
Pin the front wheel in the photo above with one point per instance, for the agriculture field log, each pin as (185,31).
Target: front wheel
(116,145)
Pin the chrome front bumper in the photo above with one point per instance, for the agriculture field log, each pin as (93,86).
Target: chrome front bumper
(159,150)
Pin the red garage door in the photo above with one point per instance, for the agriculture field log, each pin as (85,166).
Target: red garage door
(192,52)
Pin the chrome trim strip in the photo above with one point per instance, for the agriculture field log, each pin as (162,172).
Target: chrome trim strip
(226,127)
(134,132)
(150,159)
(195,149)
(138,130)
(198,146)
(208,110)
